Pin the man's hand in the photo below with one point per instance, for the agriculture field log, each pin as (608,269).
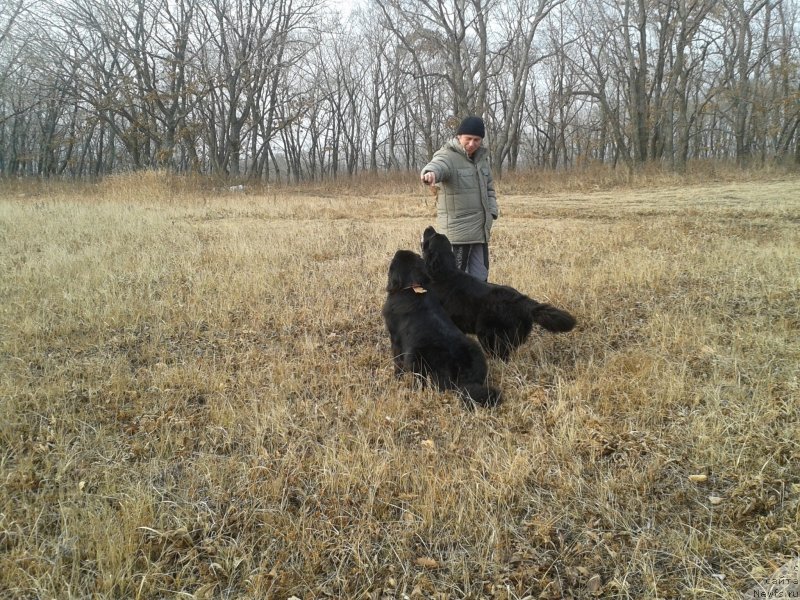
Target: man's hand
(429,178)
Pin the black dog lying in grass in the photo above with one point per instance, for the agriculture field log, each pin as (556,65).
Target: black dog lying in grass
(424,339)
(499,315)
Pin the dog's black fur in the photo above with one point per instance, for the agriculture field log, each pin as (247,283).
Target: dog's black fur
(500,316)
(424,339)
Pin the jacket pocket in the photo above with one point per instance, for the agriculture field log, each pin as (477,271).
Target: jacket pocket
(468,178)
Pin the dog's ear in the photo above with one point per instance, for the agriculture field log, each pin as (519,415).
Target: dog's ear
(407,268)
(395,281)
(403,270)
(432,261)
(417,271)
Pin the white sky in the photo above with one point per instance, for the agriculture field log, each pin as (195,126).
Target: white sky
(344,6)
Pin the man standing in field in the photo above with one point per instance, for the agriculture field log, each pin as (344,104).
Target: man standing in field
(467,204)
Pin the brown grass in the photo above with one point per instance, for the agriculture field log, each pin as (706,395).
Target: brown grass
(197,398)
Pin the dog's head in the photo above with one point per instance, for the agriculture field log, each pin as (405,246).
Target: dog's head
(437,251)
(406,269)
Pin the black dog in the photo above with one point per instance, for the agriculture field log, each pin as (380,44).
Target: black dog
(499,315)
(424,339)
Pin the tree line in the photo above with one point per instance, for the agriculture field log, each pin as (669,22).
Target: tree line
(292,90)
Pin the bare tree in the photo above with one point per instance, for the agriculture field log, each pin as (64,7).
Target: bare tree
(14,43)
(512,65)
(286,89)
(383,85)
(688,55)
(129,58)
(20,94)
(601,75)
(251,45)
(447,42)
(739,26)
(786,85)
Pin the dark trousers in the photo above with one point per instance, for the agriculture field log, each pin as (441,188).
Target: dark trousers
(473,258)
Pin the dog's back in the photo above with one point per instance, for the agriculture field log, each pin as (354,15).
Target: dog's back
(501,316)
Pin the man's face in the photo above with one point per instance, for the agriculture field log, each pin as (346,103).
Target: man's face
(470,143)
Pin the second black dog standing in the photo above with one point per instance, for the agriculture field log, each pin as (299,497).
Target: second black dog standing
(424,339)
(500,316)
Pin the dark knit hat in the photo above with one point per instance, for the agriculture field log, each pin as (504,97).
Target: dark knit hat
(472,126)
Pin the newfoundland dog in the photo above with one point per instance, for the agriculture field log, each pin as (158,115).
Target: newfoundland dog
(500,316)
(424,339)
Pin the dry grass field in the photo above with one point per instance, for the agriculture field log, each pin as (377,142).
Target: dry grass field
(197,399)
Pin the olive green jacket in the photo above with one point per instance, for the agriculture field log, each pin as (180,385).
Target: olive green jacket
(467,204)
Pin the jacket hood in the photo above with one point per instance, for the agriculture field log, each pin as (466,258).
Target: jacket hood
(455,146)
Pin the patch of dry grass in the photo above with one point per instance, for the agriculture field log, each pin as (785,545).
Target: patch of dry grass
(197,400)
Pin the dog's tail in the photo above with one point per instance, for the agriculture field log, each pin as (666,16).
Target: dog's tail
(482,395)
(552,318)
